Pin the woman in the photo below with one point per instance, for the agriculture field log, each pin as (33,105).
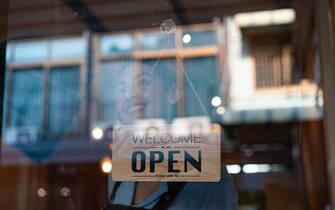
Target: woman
(157,99)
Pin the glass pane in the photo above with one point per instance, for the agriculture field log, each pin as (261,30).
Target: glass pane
(9,52)
(26,105)
(64,100)
(202,83)
(116,85)
(113,44)
(157,67)
(34,51)
(199,38)
(159,89)
(68,48)
(157,41)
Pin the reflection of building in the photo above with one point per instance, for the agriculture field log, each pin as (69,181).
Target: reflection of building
(54,79)
(55,94)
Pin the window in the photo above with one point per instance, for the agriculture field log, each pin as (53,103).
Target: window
(27,98)
(157,41)
(201,83)
(199,38)
(63,100)
(114,44)
(160,74)
(244,72)
(22,52)
(273,66)
(116,79)
(68,48)
(140,70)
(270,51)
(52,89)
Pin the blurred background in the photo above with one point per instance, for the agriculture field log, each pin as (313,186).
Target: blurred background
(262,69)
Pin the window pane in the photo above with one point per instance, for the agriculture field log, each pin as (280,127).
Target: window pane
(159,88)
(116,85)
(68,48)
(30,51)
(202,86)
(27,98)
(199,38)
(157,41)
(8,52)
(112,44)
(269,100)
(64,100)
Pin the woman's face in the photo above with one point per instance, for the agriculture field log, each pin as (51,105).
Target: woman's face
(141,95)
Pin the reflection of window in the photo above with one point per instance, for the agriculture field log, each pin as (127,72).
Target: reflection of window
(60,49)
(46,98)
(272,65)
(158,85)
(27,104)
(270,51)
(23,51)
(8,52)
(157,41)
(27,98)
(122,43)
(56,49)
(64,100)
(199,38)
(159,88)
(201,83)
(115,80)
(118,89)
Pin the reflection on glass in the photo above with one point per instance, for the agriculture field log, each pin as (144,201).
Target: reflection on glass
(26,106)
(23,51)
(202,86)
(116,91)
(277,125)
(112,44)
(199,38)
(159,92)
(8,52)
(68,48)
(157,41)
(64,100)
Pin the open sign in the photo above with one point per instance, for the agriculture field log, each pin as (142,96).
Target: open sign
(166,156)
(157,157)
